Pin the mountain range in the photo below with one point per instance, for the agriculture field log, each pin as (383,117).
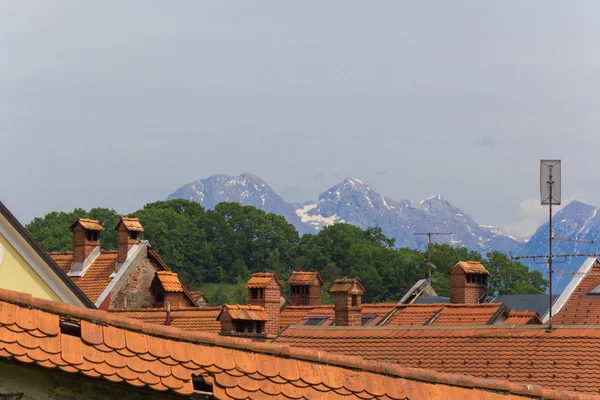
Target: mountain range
(352,201)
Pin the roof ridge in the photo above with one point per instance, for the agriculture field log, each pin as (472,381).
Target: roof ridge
(163,310)
(351,362)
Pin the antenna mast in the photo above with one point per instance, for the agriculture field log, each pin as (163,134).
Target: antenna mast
(429,264)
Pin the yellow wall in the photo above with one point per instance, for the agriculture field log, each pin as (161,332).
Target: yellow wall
(17,275)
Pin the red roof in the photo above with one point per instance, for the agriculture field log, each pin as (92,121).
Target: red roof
(262,280)
(471,267)
(564,359)
(131,224)
(582,308)
(137,355)
(350,285)
(90,224)
(523,318)
(169,281)
(189,318)
(305,278)
(245,312)
(97,276)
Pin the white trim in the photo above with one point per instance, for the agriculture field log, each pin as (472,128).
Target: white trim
(131,255)
(85,264)
(575,281)
(37,263)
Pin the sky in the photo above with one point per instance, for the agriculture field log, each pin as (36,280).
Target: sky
(117,104)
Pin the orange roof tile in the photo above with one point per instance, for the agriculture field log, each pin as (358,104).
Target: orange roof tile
(582,308)
(469,314)
(523,318)
(189,318)
(131,224)
(407,316)
(262,279)
(245,312)
(351,285)
(97,276)
(564,359)
(472,267)
(129,352)
(305,278)
(169,281)
(90,224)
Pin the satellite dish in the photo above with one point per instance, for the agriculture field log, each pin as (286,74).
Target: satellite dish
(550,182)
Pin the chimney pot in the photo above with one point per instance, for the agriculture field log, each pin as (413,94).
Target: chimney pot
(468,282)
(347,296)
(264,289)
(86,243)
(128,235)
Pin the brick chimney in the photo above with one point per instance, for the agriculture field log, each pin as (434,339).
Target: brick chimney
(305,288)
(128,235)
(86,244)
(468,283)
(264,289)
(347,300)
(245,321)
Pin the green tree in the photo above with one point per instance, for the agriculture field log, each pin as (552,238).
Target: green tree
(219,298)
(512,277)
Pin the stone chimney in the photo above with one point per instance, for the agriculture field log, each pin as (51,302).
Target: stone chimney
(86,244)
(347,300)
(264,289)
(468,283)
(305,288)
(128,235)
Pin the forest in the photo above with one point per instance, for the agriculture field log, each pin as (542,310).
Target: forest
(222,247)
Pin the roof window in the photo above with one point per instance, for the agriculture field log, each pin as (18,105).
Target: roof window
(595,291)
(366,319)
(315,321)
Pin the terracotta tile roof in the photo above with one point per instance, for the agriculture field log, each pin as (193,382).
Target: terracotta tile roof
(413,315)
(189,319)
(90,224)
(129,352)
(469,314)
(245,312)
(472,267)
(305,278)
(262,279)
(582,308)
(169,281)
(351,285)
(131,224)
(97,276)
(523,318)
(564,359)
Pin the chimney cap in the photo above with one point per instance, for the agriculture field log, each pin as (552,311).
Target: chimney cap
(470,267)
(305,278)
(262,280)
(89,224)
(347,285)
(244,312)
(131,224)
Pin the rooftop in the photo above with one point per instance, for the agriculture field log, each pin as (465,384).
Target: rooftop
(262,279)
(131,224)
(472,267)
(564,359)
(128,352)
(305,278)
(246,312)
(169,281)
(90,224)
(189,318)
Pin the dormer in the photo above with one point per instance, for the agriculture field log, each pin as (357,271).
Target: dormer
(129,232)
(86,244)
(166,288)
(468,282)
(243,321)
(305,288)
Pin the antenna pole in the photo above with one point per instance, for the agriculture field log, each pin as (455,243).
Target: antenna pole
(429,248)
(550,182)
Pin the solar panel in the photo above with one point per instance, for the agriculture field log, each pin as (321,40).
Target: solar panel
(595,290)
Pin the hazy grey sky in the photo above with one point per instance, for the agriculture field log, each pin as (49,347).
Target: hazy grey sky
(117,104)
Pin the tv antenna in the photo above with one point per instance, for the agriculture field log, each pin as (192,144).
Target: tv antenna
(430,266)
(550,181)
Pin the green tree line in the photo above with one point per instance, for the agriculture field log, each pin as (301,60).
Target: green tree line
(227,244)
